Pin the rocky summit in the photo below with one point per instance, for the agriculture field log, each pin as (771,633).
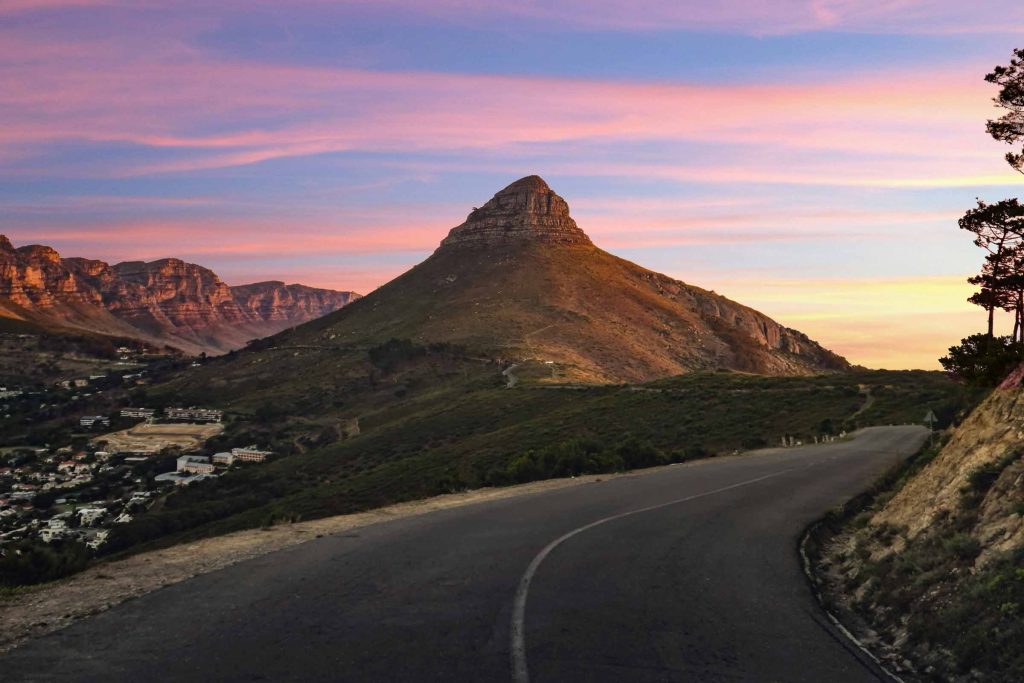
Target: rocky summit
(519,280)
(525,210)
(169,301)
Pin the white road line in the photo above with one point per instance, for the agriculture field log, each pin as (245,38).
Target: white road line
(520,673)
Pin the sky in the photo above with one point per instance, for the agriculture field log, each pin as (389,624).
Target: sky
(808,158)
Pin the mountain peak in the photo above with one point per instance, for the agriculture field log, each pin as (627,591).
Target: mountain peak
(5,244)
(531,183)
(528,209)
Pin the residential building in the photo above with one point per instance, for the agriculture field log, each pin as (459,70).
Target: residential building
(98,539)
(144,413)
(250,454)
(194,414)
(92,420)
(179,479)
(195,464)
(89,516)
(225,459)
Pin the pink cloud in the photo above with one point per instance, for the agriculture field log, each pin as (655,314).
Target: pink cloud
(755,17)
(895,116)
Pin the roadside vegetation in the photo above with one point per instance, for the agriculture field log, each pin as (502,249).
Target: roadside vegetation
(928,594)
(433,421)
(929,566)
(998,230)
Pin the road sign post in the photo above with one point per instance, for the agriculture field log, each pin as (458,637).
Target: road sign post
(930,420)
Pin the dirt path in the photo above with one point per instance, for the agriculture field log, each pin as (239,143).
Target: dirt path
(869,400)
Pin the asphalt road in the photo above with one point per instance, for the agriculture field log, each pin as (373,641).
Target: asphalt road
(690,573)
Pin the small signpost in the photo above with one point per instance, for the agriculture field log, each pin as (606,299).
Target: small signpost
(930,420)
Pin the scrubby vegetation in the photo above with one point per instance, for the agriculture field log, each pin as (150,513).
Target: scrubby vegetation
(960,620)
(433,421)
(30,563)
(983,361)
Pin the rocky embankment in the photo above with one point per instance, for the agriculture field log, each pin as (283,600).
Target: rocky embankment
(932,575)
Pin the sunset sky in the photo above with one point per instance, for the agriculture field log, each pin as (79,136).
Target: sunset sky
(807,158)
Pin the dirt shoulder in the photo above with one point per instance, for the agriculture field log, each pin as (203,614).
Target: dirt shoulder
(36,611)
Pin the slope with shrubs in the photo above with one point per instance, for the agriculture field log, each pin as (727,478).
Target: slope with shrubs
(432,420)
(936,564)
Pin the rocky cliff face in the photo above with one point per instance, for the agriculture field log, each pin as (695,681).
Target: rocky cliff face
(525,210)
(293,304)
(978,475)
(167,301)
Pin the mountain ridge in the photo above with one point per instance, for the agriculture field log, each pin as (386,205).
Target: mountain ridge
(167,301)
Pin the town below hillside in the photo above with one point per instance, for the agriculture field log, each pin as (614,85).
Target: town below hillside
(80,455)
(146,451)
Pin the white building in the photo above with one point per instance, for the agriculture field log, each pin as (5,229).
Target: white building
(182,478)
(195,464)
(98,539)
(194,414)
(89,516)
(250,454)
(225,459)
(144,413)
(92,420)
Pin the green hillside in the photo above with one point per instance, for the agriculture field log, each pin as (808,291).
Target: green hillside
(432,421)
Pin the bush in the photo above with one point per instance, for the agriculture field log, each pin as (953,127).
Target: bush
(981,360)
(29,563)
(962,547)
(982,478)
(583,456)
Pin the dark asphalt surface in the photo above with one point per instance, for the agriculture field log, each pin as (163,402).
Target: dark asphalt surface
(706,589)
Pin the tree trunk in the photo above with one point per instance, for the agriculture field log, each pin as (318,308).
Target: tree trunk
(1019,323)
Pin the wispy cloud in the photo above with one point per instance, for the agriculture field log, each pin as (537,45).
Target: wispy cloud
(754,17)
(885,125)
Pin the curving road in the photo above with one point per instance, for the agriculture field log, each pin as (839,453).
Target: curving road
(689,573)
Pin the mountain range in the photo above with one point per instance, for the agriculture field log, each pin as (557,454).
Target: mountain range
(166,302)
(520,280)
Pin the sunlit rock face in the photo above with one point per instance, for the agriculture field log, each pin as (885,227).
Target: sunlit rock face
(276,301)
(525,210)
(169,300)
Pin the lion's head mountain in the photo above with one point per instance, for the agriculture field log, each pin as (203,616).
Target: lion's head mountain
(519,279)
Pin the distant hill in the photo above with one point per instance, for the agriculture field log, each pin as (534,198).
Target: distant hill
(520,280)
(166,302)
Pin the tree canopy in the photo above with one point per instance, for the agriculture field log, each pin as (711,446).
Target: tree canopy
(1009,128)
(999,230)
